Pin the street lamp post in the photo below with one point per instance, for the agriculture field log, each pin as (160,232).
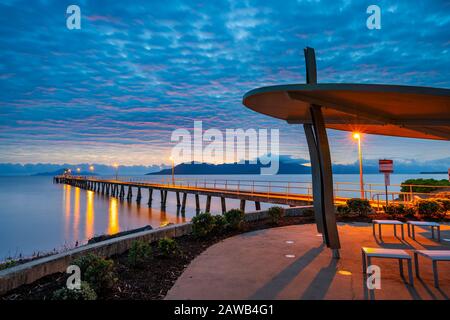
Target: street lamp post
(91,169)
(357,136)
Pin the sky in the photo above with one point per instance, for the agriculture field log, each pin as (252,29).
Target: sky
(115,90)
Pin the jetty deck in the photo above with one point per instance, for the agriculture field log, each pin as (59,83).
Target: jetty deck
(288,193)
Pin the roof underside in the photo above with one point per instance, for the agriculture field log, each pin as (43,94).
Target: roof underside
(404,111)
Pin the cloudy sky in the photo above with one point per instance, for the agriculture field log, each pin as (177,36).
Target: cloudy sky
(137,70)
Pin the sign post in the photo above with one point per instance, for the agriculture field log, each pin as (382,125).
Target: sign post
(387,167)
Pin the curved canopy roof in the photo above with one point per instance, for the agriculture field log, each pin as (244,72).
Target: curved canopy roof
(404,111)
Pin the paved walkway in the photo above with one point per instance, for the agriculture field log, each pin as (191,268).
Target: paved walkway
(292,263)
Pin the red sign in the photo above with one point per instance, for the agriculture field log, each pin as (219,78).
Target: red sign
(386,166)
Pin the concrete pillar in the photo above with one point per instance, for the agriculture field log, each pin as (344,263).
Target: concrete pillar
(224,208)
(183,202)
(150,197)
(163,196)
(178,199)
(130,193)
(208,204)
(197,203)
(257,205)
(139,195)
(122,191)
(242,207)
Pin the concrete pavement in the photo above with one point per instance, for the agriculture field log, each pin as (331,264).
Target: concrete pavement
(292,263)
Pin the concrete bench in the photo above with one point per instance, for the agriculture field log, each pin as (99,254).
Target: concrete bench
(434,256)
(432,225)
(369,253)
(394,223)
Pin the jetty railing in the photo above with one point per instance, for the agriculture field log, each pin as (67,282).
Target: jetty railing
(375,192)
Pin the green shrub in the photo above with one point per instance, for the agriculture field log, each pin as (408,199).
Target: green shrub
(394,209)
(234,218)
(410,211)
(167,247)
(429,183)
(202,224)
(343,210)
(445,203)
(275,214)
(139,253)
(308,213)
(428,208)
(84,293)
(9,263)
(219,223)
(97,271)
(359,206)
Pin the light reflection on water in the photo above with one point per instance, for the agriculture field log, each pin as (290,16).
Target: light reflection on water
(39,216)
(113,226)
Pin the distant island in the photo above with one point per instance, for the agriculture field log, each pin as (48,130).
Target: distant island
(291,165)
(433,172)
(231,168)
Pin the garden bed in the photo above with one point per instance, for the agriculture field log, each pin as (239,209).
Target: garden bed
(153,279)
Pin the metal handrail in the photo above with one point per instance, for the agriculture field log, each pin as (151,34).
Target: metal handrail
(287,188)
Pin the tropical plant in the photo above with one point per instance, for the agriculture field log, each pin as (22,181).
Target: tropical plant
(84,293)
(275,214)
(202,224)
(97,271)
(234,218)
(429,208)
(139,253)
(359,206)
(168,247)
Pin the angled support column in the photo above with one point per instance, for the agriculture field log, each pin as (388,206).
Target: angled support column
(327,200)
(316,177)
(322,173)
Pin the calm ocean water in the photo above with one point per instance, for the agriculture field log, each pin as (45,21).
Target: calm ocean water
(37,215)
